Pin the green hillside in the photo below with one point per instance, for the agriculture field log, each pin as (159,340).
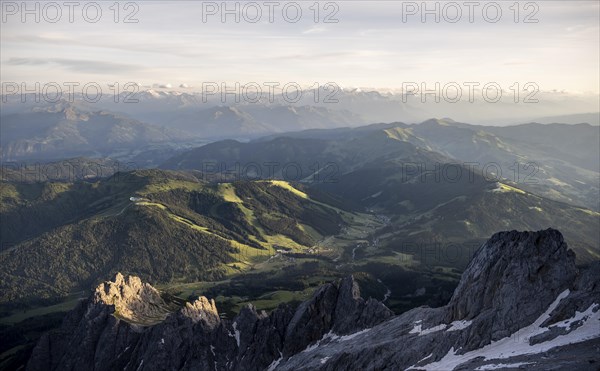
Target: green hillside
(177,229)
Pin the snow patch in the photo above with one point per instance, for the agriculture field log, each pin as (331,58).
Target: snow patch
(429,356)
(212,350)
(579,316)
(311,347)
(351,336)
(324,360)
(502,365)
(433,329)
(329,335)
(123,352)
(418,330)
(275,363)
(454,326)
(237,333)
(459,325)
(333,337)
(387,295)
(518,343)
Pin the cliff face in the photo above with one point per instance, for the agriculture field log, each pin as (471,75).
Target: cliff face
(127,324)
(513,278)
(520,298)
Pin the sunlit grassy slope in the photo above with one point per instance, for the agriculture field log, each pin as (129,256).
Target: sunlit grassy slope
(177,229)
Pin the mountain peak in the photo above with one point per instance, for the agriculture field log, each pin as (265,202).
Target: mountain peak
(437,122)
(508,271)
(132,300)
(202,310)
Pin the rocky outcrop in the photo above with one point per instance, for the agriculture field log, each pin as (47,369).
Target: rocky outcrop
(521,302)
(132,300)
(202,310)
(499,283)
(352,311)
(127,324)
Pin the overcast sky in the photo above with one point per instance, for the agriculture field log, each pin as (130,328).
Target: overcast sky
(370,45)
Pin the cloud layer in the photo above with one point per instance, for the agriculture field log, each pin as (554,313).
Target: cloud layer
(374,44)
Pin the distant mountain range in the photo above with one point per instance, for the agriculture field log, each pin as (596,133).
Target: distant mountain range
(592,118)
(64,130)
(371,105)
(556,161)
(160,123)
(253,121)
(564,157)
(339,107)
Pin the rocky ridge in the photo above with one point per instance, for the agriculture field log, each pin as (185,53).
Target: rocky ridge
(521,302)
